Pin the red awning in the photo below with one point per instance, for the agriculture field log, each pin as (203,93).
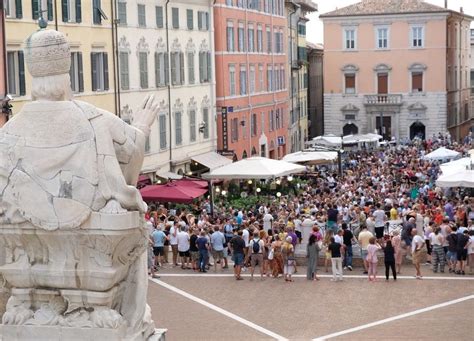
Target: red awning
(172,192)
(191,183)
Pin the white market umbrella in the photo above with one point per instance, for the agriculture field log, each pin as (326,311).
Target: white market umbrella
(255,168)
(464,178)
(326,140)
(441,154)
(457,165)
(310,157)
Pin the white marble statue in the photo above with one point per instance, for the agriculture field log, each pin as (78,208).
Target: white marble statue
(71,219)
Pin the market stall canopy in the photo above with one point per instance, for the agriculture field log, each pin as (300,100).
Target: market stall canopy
(255,168)
(169,175)
(187,182)
(464,178)
(312,157)
(441,154)
(326,140)
(457,165)
(171,192)
(211,160)
(361,138)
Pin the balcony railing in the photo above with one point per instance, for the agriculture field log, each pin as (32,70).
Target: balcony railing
(383,99)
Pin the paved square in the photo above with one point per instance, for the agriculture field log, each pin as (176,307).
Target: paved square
(215,307)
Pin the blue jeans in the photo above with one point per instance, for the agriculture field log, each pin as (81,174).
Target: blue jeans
(348,256)
(203,255)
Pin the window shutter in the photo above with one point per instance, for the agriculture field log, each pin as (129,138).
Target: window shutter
(159,16)
(80,72)
(21,69)
(200,20)
(94,71)
(209,68)
(35,9)
(350,81)
(417,81)
(189,13)
(106,71)
(207,21)
(19,9)
(157,70)
(78,11)
(201,67)
(167,69)
(173,68)
(65,12)
(181,65)
(49,4)
(96,14)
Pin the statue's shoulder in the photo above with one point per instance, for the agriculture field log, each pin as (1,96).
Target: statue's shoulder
(88,109)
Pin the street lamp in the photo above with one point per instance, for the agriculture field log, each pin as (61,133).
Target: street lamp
(290,178)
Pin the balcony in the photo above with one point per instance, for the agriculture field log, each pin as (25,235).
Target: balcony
(307,5)
(383,99)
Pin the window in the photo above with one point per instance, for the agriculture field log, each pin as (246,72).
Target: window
(177,68)
(162,127)
(282,76)
(417,36)
(205,67)
(269,40)
(302,53)
(192,125)
(189,19)
(260,77)
(16,73)
(178,128)
(278,45)
(76,74)
(259,38)
(161,69)
(71,11)
(190,67)
(159,16)
(46,5)
(349,38)
(277,119)
(203,20)
(382,38)
(302,29)
(143,66)
(147,145)
(175,17)
(349,83)
(276,77)
(271,122)
(205,120)
(241,34)
(234,129)
(252,79)
(417,81)
(472,76)
(228,2)
(230,36)
(124,74)
(141,15)
(243,80)
(97,12)
(251,38)
(253,125)
(100,71)
(231,80)
(269,78)
(13,9)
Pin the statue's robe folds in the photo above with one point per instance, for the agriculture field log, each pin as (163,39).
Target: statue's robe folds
(60,161)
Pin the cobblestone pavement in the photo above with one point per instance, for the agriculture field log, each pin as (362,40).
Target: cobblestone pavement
(214,306)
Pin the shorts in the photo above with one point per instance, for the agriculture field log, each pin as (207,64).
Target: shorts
(289,267)
(451,256)
(363,254)
(407,241)
(217,255)
(298,234)
(379,232)
(256,257)
(328,255)
(417,257)
(238,259)
(158,251)
(194,255)
(462,255)
(184,253)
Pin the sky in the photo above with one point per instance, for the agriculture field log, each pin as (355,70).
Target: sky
(314,30)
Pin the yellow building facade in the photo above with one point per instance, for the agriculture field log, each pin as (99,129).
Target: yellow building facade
(88,28)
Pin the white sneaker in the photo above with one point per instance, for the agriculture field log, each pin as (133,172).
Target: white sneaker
(333,280)
(345,268)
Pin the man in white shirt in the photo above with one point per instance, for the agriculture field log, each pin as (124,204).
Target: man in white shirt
(183,247)
(217,244)
(379,220)
(246,238)
(174,242)
(267,221)
(416,251)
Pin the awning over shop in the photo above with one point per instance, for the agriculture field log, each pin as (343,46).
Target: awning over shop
(211,160)
(169,175)
(172,192)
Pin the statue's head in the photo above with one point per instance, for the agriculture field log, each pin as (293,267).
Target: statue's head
(48,58)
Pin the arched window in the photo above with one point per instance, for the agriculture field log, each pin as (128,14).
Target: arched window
(350,129)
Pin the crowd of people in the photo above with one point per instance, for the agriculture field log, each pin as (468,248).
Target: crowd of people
(386,202)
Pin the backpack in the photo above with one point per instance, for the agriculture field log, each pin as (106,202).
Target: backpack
(256,246)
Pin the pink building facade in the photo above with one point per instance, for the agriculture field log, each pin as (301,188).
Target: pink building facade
(251,78)
(390,68)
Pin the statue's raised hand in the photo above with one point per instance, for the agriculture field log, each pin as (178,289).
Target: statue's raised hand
(146,115)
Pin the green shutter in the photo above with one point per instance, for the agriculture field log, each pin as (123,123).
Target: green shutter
(106,71)
(78,11)
(157,70)
(80,71)
(35,9)
(49,4)
(167,68)
(173,68)
(19,9)
(181,65)
(65,11)
(159,16)
(94,71)
(200,20)
(189,15)
(201,67)
(207,21)
(21,69)
(209,67)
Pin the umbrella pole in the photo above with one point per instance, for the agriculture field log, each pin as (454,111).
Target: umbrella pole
(211,193)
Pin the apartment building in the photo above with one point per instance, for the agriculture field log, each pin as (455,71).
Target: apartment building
(396,67)
(298,124)
(88,27)
(251,77)
(315,89)
(166,48)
